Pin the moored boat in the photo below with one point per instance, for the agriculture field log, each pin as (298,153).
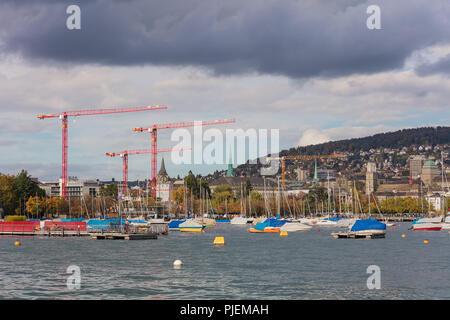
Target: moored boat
(363,228)
(238,221)
(427,224)
(295,226)
(174,225)
(190,225)
(268,226)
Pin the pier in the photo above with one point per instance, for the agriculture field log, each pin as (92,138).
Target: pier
(124,236)
(32,229)
(354,235)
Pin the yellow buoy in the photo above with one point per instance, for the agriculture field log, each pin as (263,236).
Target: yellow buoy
(17,243)
(283,233)
(425,241)
(219,241)
(403,236)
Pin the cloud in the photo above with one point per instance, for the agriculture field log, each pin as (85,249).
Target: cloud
(312,136)
(298,39)
(442,66)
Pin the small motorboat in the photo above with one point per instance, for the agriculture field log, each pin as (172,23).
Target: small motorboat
(427,224)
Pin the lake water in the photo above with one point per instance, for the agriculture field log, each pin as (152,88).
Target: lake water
(304,265)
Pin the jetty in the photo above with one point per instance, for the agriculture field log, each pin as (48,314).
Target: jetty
(124,236)
(356,235)
(79,229)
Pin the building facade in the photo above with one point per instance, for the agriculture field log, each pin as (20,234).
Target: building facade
(429,171)
(75,188)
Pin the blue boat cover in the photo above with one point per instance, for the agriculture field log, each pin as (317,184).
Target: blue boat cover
(73,220)
(136,221)
(176,223)
(333,219)
(274,222)
(104,224)
(261,225)
(368,224)
(223,221)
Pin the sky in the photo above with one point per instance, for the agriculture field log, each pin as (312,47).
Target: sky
(311,69)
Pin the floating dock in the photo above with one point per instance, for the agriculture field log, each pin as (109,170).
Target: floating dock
(124,236)
(355,235)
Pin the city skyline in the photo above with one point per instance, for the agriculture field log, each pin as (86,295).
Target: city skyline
(312,88)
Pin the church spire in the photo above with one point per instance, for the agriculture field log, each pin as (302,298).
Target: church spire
(162,170)
(230,172)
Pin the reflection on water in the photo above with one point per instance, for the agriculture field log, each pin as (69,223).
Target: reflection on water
(304,265)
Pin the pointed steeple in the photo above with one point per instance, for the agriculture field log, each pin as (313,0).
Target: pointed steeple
(162,169)
(315,171)
(230,172)
(162,174)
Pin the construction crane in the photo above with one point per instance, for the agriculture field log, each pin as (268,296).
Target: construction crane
(64,120)
(300,157)
(154,136)
(124,155)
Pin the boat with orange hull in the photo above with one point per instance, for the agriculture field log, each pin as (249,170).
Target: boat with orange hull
(265,230)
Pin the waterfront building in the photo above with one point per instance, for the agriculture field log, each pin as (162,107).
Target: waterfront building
(326,174)
(429,171)
(437,201)
(415,166)
(302,174)
(75,187)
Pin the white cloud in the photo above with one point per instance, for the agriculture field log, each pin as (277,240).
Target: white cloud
(312,136)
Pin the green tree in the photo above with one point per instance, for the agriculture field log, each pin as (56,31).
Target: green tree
(110,190)
(192,184)
(8,196)
(25,188)
(222,193)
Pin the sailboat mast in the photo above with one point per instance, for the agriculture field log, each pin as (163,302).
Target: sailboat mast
(278,198)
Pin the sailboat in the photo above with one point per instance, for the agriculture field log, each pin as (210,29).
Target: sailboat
(292,226)
(190,225)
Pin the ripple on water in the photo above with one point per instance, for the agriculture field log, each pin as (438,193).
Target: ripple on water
(304,265)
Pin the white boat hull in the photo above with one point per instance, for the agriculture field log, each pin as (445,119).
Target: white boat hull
(427,226)
(294,227)
(239,221)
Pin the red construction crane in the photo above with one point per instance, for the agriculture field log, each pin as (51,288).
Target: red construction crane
(154,129)
(124,155)
(64,119)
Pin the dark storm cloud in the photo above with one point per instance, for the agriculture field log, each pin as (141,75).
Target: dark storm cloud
(294,38)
